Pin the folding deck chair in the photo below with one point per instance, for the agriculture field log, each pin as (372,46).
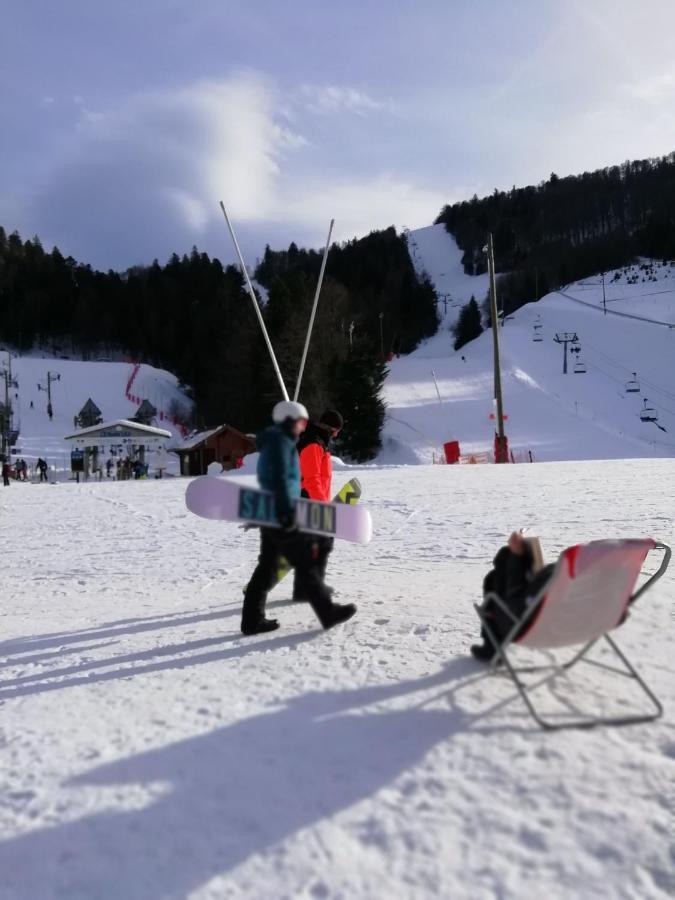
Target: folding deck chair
(586,597)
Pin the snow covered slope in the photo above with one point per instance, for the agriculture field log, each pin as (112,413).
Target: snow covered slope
(105,382)
(555,416)
(434,253)
(148,751)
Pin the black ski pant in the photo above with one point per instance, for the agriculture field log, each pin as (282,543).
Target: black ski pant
(299,550)
(510,574)
(324,548)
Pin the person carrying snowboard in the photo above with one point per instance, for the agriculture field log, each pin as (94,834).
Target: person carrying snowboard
(279,472)
(316,470)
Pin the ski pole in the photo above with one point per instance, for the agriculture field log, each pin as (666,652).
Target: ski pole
(311,318)
(249,286)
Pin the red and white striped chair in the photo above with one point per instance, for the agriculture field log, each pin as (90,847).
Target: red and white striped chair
(586,597)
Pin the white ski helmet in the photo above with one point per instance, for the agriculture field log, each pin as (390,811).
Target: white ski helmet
(289,409)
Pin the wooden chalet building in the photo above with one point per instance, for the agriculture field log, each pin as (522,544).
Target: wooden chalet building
(224,444)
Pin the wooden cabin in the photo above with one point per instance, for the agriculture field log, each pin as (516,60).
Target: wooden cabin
(224,444)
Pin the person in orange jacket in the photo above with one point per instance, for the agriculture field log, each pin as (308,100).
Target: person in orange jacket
(316,470)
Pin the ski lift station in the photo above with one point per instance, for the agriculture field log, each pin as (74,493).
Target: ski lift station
(121,438)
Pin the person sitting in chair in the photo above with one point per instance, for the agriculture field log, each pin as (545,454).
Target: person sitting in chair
(517,576)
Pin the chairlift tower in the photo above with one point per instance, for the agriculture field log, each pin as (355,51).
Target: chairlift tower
(565,338)
(51,376)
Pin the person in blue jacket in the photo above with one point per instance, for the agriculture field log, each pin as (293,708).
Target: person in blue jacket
(279,473)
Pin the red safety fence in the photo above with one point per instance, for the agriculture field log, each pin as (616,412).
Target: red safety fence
(163,416)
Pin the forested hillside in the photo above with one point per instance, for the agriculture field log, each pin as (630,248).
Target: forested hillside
(567,228)
(192,316)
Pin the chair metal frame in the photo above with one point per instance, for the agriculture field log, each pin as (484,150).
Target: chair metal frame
(501,656)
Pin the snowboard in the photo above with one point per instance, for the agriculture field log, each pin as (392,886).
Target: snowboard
(348,493)
(220,498)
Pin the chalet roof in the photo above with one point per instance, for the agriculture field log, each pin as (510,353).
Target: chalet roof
(121,425)
(194,440)
(90,409)
(146,409)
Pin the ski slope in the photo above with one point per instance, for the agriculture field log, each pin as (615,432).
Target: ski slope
(434,253)
(148,751)
(105,382)
(551,415)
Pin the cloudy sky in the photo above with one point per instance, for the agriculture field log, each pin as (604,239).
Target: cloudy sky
(124,123)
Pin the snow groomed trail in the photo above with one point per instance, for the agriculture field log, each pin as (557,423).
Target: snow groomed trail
(581,415)
(147,750)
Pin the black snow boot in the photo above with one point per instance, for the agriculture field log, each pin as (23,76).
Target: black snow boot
(484,652)
(337,613)
(259,627)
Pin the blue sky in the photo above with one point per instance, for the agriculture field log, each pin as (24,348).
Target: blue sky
(124,124)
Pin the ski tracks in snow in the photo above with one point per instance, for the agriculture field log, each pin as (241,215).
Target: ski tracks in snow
(373,760)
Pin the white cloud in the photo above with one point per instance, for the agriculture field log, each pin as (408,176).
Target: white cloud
(360,205)
(658,88)
(144,177)
(193,212)
(330,99)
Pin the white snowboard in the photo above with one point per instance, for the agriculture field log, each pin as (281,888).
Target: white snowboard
(221,498)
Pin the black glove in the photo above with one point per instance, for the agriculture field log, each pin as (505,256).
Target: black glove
(287,522)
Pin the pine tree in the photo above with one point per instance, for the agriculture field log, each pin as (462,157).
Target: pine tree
(468,326)
(357,394)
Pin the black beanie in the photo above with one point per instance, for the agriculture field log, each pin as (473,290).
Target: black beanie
(332,419)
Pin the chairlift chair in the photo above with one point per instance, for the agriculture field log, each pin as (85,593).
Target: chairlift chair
(648,413)
(580,367)
(633,385)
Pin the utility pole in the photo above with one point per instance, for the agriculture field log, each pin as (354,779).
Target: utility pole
(565,338)
(51,376)
(501,441)
(5,416)
(6,422)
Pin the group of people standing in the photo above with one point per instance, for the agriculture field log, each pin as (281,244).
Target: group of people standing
(20,471)
(124,469)
(294,461)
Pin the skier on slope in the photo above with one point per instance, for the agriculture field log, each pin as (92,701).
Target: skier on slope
(316,469)
(279,472)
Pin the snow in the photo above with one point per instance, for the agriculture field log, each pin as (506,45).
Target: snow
(551,415)
(106,384)
(148,750)
(434,253)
